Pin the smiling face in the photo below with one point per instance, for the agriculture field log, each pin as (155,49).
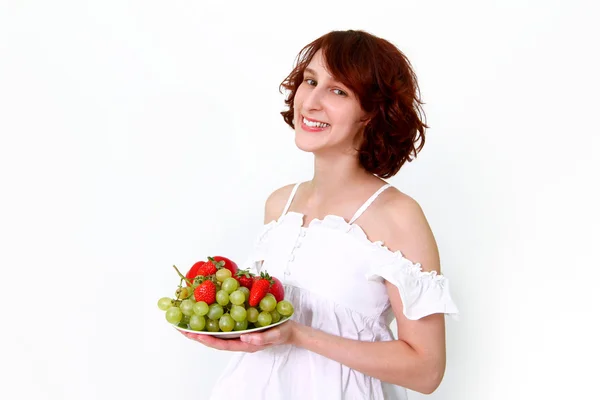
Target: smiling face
(328,116)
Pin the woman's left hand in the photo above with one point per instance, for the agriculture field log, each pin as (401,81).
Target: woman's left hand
(251,342)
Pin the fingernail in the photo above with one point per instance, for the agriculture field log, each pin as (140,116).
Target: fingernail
(245,338)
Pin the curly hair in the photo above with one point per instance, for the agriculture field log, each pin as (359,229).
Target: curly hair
(383,80)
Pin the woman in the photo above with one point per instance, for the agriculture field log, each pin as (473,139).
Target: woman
(353,102)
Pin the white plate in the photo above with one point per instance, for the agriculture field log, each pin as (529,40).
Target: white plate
(233,334)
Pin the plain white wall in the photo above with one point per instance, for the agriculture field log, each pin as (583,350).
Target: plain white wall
(136,135)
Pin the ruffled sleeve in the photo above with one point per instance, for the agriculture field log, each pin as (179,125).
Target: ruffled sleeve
(422,293)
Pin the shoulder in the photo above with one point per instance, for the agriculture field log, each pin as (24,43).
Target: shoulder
(406,229)
(276,202)
(403,210)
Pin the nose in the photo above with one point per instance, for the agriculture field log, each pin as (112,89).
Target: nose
(313,99)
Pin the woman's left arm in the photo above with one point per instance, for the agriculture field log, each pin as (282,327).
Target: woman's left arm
(415,361)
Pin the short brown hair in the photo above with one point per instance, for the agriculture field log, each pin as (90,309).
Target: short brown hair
(382,78)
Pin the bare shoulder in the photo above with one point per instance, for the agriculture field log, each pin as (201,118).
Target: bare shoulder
(406,229)
(276,202)
(404,211)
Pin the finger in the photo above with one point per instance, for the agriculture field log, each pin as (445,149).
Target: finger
(224,344)
(204,339)
(192,336)
(221,344)
(271,336)
(238,345)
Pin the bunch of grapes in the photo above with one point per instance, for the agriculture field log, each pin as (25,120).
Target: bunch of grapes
(221,302)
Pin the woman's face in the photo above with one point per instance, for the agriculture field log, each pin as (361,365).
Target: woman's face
(328,116)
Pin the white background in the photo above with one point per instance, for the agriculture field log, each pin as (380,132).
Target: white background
(140,134)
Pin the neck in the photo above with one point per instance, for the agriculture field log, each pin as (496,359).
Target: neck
(336,175)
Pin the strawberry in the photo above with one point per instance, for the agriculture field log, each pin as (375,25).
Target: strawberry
(277,289)
(245,278)
(193,272)
(206,292)
(210,267)
(230,265)
(259,289)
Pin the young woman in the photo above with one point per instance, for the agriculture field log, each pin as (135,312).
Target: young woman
(353,252)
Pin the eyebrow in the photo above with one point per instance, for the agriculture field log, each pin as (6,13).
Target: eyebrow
(310,71)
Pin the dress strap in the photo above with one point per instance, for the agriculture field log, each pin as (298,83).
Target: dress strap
(367,203)
(289,202)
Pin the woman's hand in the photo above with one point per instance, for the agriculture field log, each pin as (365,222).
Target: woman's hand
(223,344)
(251,342)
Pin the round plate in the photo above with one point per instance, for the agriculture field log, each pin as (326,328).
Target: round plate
(233,334)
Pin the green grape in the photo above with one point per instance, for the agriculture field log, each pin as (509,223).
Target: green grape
(230,285)
(246,292)
(275,316)
(187,307)
(215,311)
(268,303)
(183,292)
(164,303)
(200,308)
(223,274)
(174,315)
(252,314)
(285,308)
(222,297)
(270,295)
(212,325)
(238,297)
(238,313)
(226,323)
(241,326)
(264,319)
(185,320)
(197,322)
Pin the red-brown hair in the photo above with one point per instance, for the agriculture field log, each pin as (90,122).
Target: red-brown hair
(383,80)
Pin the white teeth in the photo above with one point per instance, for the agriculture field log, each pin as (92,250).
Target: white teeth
(315,124)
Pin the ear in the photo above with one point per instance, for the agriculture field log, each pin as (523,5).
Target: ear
(366,118)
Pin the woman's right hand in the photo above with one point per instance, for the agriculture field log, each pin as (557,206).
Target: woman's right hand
(249,343)
(224,344)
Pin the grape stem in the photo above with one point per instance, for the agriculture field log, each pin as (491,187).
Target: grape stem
(181,276)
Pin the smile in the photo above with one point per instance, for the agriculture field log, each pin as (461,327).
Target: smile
(313,125)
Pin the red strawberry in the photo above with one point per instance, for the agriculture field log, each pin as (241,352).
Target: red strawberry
(277,289)
(245,278)
(207,269)
(206,292)
(259,289)
(210,267)
(230,265)
(193,272)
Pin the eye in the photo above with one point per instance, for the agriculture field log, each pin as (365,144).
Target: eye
(310,81)
(340,92)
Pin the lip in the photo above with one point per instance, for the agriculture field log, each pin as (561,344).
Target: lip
(311,128)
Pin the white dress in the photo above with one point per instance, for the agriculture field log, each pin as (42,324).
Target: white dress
(306,259)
